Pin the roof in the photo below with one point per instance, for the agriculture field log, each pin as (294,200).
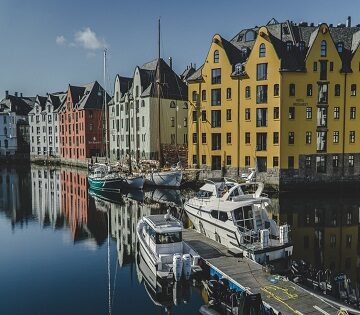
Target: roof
(160,224)
(190,70)
(125,83)
(18,104)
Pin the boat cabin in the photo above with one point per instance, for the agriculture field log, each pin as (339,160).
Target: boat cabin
(163,234)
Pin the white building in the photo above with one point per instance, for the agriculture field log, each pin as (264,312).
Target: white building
(135,109)
(44,125)
(13,114)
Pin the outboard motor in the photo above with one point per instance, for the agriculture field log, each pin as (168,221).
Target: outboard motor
(186,266)
(177,266)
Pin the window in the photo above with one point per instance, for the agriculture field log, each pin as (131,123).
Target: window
(261,117)
(308,161)
(216,56)
(337,89)
(247,161)
(291,137)
(137,91)
(262,50)
(289,46)
(302,46)
(315,66)
(276,89)
(203,138)
(321,141)
(185,106)
(291,162)
(261,71)
(247,92)
(353,89)
(335,160)
(261,141)
(194,116)
(291,89)
(336,137)
(331,66)
(276,137)
(228,162)
(261,94)
(247,137)
(336,112)
(194,96)
(172,122)
(194,137)
(194,159)
(250,35)
(228,114)
(185,122)
(203,115)
(291,112)
(352,112)
(90,127)
(276,112)
(321,164)
(216,76)
(203,159)
(228,137)
(247,113)
(340,47)
(309,90)
(275,161)
(323,48)
(348,241)
(215,97)
(323,70)
(351,160)
(308,112)
(352,136)
(216,141)
(308,135)
(323,94)
(172,104)
(215,118)
(228,93)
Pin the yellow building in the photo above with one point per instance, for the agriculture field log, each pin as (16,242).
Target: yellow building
(291,92)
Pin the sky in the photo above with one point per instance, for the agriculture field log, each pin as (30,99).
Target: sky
(48,44)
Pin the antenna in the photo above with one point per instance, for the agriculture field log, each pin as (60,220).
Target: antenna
(105,106)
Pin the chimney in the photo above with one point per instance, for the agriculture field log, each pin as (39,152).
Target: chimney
(195,66)
(16,94)
(21,95)
(6,94)
(348,21)
(170,62)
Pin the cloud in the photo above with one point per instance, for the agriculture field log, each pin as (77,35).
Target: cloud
(60,40)
(88,39)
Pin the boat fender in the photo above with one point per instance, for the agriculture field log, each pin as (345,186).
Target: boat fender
(186,259)
(177,266)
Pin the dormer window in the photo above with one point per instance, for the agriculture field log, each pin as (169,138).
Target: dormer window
(323,48)
(302,46)
(238,68)
(289,46)
(216,56)
(286,30)
(250,36)
(340,47)
(262,50)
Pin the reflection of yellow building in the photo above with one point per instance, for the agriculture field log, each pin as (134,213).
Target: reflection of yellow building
(325,233)
(281,98)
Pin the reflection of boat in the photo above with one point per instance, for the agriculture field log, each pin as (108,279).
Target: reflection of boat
(161,246)
(235,215)
(165,196)
(164,178)
(113,197)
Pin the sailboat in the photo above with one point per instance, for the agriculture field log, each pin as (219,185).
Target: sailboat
(102,177)
(170,178)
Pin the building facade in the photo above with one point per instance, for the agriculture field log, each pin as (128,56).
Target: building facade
(296,100)
(134,115)
(81,122)
(44,126)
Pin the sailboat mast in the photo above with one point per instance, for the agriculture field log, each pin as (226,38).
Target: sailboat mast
(158,92)
(106,110)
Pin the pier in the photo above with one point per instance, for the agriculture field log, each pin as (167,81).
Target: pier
(283,296)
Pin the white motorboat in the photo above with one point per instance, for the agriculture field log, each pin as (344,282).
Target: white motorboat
(170,178)
(161,247)
(236,215)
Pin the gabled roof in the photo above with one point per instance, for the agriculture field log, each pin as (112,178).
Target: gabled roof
(19,105)
(125,83)
(197,75)
(190,70)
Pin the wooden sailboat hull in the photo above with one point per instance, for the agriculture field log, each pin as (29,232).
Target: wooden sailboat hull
(164,179)
(115,184)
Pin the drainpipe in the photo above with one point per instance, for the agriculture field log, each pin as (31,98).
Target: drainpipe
(344,123)
(238,129)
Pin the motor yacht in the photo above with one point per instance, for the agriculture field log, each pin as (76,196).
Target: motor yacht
(161,246)
(236,216)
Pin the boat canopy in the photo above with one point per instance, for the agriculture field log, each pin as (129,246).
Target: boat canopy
(162,224)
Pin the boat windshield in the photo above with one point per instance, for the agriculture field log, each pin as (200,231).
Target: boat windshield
(204,194)
(244,217)
(168,238)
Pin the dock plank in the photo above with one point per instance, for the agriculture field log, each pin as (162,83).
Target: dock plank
(282,295)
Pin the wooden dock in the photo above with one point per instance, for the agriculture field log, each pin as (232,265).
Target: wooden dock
(283,296)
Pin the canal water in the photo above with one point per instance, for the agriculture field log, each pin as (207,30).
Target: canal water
(65,251)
